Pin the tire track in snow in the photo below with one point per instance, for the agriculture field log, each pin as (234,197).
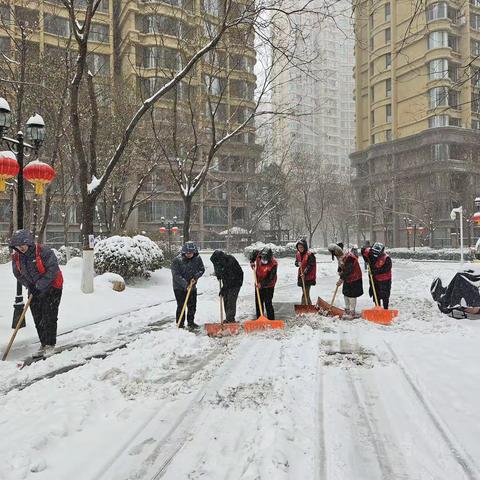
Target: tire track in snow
(460,455)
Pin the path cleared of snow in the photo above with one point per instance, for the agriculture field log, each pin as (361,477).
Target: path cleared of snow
(325,399)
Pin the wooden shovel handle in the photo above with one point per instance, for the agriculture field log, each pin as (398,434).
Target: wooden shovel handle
(258,293)
(17,327)
(303,285)
(189,290)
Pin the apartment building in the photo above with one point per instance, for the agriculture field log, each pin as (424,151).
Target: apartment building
(417,95)
(319,95)
(140,43)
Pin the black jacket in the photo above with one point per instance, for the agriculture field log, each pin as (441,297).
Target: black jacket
(227,269)
(184,269)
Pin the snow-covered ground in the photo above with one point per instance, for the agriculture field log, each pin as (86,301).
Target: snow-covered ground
(324,399)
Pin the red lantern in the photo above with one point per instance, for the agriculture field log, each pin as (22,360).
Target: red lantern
(422,230)
(410,229)
(39,174)
(174,230)
(8,168)
(162,229)
(476,218)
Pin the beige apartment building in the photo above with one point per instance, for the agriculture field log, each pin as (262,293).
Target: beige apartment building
(417,93)
(140,43)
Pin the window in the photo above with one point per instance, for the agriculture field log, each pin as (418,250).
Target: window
(4,45)
(161,57)
(371,21)
(373,139)
(371,45)
(99,64)
(475,3)
(453,43)
(437,11)
(388,12)
(438,97)
(388,135)
(438,121)
(388,87)
(372,94)
(211,7)
(475,47)
(388,113)
(99,33)
(215,215)
(437,39)
(56,25)
(475,21)
(438,69)
(476,124)
(388,60)
(215,86)
(440,152)
(454,122)
(158,24)
(388,35)
(154,211)
(453,98)
(371,69)
(372,118)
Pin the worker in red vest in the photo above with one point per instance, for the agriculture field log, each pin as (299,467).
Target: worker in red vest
(307,268)
(380,264)
(36,267)
(351,278)
(265,267)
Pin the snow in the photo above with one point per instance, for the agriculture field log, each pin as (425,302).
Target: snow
(36,119)
(235,231)
(4,105)
(8,153)
(93,184)
(324,399)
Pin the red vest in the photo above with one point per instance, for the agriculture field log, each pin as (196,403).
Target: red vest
(57,283)
(382,277)
(303,261)
(356,273)
(262,271)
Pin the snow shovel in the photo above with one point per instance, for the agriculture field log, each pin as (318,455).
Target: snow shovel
(221,329)
(304,308)
(378,314)
(189,291)
(14,334)
(262,322)
(328,309)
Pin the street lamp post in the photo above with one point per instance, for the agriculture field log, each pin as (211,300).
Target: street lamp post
(170,227)
(35,131)
(453,216)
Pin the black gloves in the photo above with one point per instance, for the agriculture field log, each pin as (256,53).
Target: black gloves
(296,263)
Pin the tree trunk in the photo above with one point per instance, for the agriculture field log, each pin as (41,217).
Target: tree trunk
(88,214)
(187,201)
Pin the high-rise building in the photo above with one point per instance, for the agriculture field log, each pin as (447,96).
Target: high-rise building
(417,96)
(140,43)
(319,95)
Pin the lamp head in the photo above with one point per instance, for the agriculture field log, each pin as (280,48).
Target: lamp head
(35,131)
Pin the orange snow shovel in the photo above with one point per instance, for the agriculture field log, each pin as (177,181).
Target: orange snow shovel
(304,308)
(377,314)
(19,323)
(328,309)
(262,322)
(220,329)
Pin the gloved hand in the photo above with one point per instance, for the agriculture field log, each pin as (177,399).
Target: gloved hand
(296,263)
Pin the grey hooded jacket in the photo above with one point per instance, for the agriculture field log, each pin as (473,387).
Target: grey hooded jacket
(29,276)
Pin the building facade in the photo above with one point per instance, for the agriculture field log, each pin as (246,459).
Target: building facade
(417,94)
(141,44)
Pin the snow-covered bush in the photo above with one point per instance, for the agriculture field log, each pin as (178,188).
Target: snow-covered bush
(289,250)
(427,253)
(128,257)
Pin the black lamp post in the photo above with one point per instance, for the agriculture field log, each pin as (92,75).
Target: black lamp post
(35,132)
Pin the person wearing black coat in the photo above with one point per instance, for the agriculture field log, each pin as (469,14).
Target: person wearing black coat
(36,267)
(230,274)
(187,268)
(380,265)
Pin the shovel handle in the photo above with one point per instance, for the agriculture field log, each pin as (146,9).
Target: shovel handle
(333,299)
(189,290)
(14,334)
(303,286)
(258,293)
(221,304)
(373,285)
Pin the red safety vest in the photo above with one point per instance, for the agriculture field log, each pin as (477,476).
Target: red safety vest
(382,277)
(303,261)
(262,271)
(356,273)
(57,283)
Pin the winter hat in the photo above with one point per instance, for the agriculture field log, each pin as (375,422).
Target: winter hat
(21,237)
(218,257)
(377,249)
(189,247)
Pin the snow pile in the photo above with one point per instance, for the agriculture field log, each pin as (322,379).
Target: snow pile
(62,253)
(427,253)
(128,257)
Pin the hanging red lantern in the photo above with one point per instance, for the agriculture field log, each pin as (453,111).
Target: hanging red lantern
(8,168)
(39,174)
(162,229)
(410,229)
(476,218)
(174,230)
